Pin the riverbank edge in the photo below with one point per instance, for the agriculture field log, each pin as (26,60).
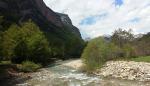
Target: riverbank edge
(128,70)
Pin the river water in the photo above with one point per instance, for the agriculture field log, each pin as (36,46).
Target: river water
(66,76)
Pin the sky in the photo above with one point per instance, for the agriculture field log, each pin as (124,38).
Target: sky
(101,17)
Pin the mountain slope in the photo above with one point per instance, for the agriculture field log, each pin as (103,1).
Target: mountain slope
(57,27)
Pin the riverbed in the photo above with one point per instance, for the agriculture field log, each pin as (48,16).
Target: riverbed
(62,74)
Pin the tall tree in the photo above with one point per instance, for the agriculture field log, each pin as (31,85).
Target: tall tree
(121,37)
(25,43)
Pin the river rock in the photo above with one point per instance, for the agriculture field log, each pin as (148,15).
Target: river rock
(126,70)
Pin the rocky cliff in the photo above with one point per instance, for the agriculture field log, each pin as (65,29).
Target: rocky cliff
(22,10)
(68,23)
(57,27)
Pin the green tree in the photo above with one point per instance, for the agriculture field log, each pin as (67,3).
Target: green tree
(97,52)
(74,47)
(121,37)
(124,40)
(128,51)
(9,41)
(142,45)
(25,43)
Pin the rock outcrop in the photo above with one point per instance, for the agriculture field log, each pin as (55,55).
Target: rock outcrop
(68,23)
(48,13)
(23,10)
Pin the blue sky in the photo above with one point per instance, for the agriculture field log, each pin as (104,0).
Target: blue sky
(118,2)
(135,20)
(99,17)
(92,19)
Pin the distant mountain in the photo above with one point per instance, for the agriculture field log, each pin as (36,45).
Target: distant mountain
(57,27)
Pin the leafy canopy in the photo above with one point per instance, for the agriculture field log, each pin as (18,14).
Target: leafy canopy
(25,42)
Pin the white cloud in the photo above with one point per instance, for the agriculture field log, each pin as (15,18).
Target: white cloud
(117,17)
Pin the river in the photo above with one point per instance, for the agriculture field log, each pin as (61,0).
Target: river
(66,76)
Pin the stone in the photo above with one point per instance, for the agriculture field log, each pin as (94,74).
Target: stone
(126,70)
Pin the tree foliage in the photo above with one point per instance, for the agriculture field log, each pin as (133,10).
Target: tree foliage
(142,45)
(97,52)
(121,37)
(124,39)
(121,45)
(28,66)
(25,42)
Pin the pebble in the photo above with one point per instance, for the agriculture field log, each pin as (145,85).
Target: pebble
(126,70)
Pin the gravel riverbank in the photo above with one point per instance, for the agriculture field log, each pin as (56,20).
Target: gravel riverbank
(76,64)
(129,70)
(137,71)
(114,72)
(126,70)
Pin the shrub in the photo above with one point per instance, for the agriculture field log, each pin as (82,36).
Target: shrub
(128,51)
(5,62)
(28,66)
(97,52)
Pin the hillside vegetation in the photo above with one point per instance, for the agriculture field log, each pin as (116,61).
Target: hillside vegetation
(122,45)
(28,45)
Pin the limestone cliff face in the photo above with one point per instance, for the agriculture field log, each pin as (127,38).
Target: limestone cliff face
(47,19)
(48,13)
(68,23)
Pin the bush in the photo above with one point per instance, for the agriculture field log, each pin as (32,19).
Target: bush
(128,51)
(5,62)
(97,52)
(28,66)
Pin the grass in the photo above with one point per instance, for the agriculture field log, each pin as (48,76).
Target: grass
(5,62)
(28,66)
(136,59)
(141,59)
